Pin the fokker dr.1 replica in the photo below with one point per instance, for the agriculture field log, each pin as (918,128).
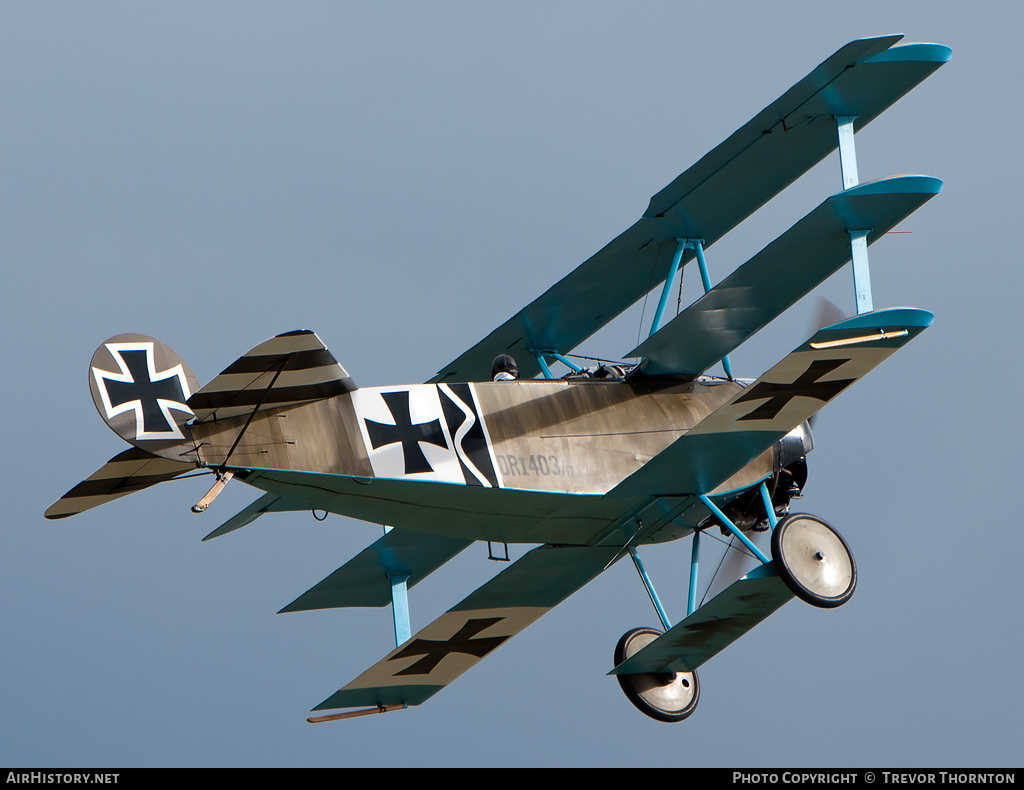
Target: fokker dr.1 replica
(589,466)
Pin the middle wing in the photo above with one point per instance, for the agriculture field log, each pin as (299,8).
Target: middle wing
(365,579)
(780,274)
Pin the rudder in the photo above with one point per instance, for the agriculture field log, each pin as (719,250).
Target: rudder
(141,388)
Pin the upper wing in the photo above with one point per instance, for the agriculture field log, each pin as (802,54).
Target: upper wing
(783,398)
(468,632)
(767,154)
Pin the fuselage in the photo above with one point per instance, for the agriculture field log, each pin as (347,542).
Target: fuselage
(519,461)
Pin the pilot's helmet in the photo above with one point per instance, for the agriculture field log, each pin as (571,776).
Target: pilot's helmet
(504,364)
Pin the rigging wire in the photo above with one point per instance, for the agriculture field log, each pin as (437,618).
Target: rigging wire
(731,545)
(643,310)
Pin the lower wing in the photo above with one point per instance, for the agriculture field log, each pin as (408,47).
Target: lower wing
(471,630)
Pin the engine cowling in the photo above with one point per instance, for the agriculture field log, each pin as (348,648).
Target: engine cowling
(787,482)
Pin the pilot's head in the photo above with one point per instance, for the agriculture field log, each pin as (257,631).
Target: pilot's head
(504,368)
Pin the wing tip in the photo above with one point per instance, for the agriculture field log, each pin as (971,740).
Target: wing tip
(914,51)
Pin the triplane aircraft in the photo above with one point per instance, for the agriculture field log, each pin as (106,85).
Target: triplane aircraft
(589,466)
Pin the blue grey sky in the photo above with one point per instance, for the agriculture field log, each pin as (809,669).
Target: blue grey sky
(400,178)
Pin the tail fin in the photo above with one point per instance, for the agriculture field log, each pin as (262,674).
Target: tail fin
(141,389)
(292,368)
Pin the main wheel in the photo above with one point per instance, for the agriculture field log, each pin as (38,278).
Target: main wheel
(665,696)
(814,560)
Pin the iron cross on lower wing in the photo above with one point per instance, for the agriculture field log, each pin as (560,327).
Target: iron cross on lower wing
(434,651)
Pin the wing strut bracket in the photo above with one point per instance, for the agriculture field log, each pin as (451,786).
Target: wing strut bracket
(539,355)
(861,272)
(697,245)
(847,151)
(858,238)
(400,609)
(399,605)
(666,289)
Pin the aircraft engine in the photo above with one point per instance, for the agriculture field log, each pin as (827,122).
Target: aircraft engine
(747,511)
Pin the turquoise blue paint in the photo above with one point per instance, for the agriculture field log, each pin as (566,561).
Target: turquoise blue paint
(681,246)
(768,506)
(698,248)
(650,589)
(691,605)
(732,528)
(400,609)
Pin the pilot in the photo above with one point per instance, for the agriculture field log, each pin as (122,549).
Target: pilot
(504,368)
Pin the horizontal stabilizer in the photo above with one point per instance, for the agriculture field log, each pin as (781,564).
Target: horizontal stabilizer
(268,503)
(783,398)
(365,580)
(490,616)
(286,370)
(754,164)
(131,471)
(773,280)
(713,627)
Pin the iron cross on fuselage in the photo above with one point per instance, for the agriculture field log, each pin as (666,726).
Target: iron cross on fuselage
(407,433)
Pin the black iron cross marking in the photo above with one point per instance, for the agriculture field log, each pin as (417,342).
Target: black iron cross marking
(145,390)
(433,651)
(806,385)
(406,432)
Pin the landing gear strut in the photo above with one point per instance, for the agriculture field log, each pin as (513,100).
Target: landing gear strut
(809,560)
